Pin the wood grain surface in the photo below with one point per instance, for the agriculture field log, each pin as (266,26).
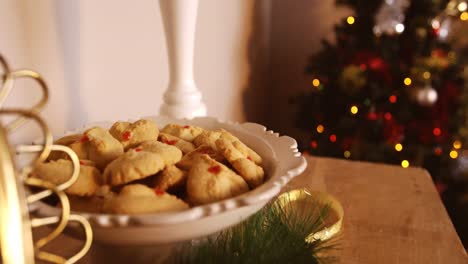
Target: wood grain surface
(392,215)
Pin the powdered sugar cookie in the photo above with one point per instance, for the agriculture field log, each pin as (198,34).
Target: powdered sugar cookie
(183,145)
(170,154)
(170,178)
(187,133)
(132,134)
(251,172)
(135,164)
(207,138)
(187,161)
(59,171)
(246,151)
(210,181)
(140,199)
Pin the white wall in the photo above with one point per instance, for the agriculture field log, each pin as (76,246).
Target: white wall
(106,59)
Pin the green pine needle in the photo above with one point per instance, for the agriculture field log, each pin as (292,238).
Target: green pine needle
(274,235)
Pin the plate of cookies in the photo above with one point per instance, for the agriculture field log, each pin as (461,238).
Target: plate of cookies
(159,180)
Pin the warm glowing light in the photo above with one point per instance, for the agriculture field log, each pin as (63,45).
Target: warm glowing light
(426,75)
(320,129)
(462,6)
(392,99)
(453,154)
(313,144)
(436,131)
(464,16)
(316,82)
(438,151)
(407,81)
(435,24)
(405,164)
(354,109)
(333,138)
(398,147)
(350,20)
(399,28)
(388,116)
(347,154)
(457,144)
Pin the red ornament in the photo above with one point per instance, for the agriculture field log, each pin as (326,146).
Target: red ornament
(372,116)
(388,116)
(126,135)
(215,169)
(333,138)
(313,144)
(392,99)
(438,151)
(437,131)
(376,64)
(159,192)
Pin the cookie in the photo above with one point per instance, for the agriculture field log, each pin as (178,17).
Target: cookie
(210,181)
(135,164)
(59,171)
(133,134)
(251,172)
(246,151)
(181,144)
(187,133)
(140,199)
(207,138)
(64,141)
(170,178)
(187,161)
(170,154)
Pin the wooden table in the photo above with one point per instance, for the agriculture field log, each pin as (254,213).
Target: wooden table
(392,215)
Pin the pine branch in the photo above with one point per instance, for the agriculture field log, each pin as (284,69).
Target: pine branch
(276,234)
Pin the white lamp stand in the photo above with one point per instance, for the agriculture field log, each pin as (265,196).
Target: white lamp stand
(182,98)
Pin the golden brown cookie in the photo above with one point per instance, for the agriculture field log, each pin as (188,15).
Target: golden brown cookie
(246,151)
(251,172)
(59,171)
(132,134)
(170,154)
(64,141)
(135,164)
(170,178)
(140,199)
(207,138)
(183,145)
(102,146)
(187,161)
(187,133)
(210,181)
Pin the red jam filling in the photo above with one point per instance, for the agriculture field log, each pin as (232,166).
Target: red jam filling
(126,135)
(186,126)
(215,169)
(82,162)
(84,139)
(158,191)
(138,149)
(249,158)
(170,142)
(205,151)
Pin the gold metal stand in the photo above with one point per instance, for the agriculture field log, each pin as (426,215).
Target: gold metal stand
(16,243)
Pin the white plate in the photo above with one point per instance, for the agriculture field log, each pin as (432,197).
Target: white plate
(282,162)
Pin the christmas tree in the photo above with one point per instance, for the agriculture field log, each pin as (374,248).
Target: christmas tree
(393,89)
